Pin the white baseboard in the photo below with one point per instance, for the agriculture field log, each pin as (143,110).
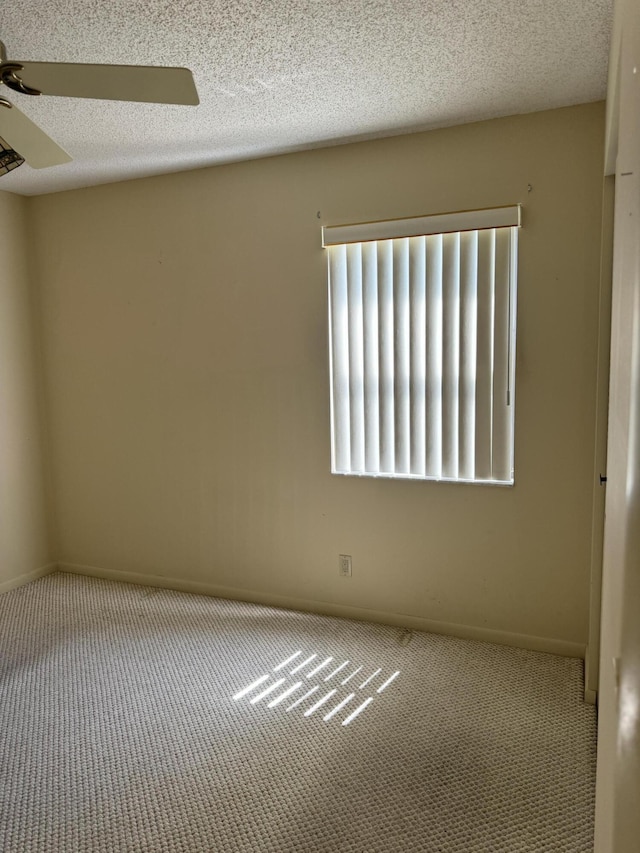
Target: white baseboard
(12,583)
(591,667)
(418,623)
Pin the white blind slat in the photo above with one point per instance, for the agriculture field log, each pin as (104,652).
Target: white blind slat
(433,391)
(339,317)
(356,356)
(371,372)
(418,344)
(468,325)
(402,367)
(501,457)
(450,352)
(385,336)
(484,354)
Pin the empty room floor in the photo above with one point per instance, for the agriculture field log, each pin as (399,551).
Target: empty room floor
(140,719)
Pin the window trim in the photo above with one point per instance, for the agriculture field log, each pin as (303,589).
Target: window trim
(510,218)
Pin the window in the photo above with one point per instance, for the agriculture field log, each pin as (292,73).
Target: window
(422,343)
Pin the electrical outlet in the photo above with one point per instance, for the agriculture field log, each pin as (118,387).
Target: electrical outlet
(344,565)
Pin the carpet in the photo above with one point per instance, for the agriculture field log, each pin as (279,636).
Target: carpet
(140,719)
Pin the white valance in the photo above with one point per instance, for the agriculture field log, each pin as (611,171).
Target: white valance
(418,226)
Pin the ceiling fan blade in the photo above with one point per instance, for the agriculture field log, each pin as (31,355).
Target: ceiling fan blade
(38,149)
(145,83)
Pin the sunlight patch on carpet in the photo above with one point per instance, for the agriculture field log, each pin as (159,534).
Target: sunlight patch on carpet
(375,681)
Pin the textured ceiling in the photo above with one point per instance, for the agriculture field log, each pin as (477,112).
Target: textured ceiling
(282,75)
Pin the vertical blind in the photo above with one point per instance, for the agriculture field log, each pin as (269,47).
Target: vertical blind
(422,344)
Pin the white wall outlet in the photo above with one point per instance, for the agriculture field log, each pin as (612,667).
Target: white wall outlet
(344,565)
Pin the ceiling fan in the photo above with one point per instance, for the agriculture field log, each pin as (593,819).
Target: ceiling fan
(149,84)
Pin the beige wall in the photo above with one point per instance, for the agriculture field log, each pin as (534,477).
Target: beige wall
(185,341)
(24,536)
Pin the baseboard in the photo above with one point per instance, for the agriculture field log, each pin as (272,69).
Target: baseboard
(20,580)
(590,679)
(417,623)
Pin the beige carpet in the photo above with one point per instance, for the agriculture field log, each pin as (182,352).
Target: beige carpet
(136,719)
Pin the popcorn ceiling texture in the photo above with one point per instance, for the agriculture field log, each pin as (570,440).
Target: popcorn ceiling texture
(119,733)
(293,74)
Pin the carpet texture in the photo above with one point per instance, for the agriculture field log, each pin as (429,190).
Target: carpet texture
(128,725)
